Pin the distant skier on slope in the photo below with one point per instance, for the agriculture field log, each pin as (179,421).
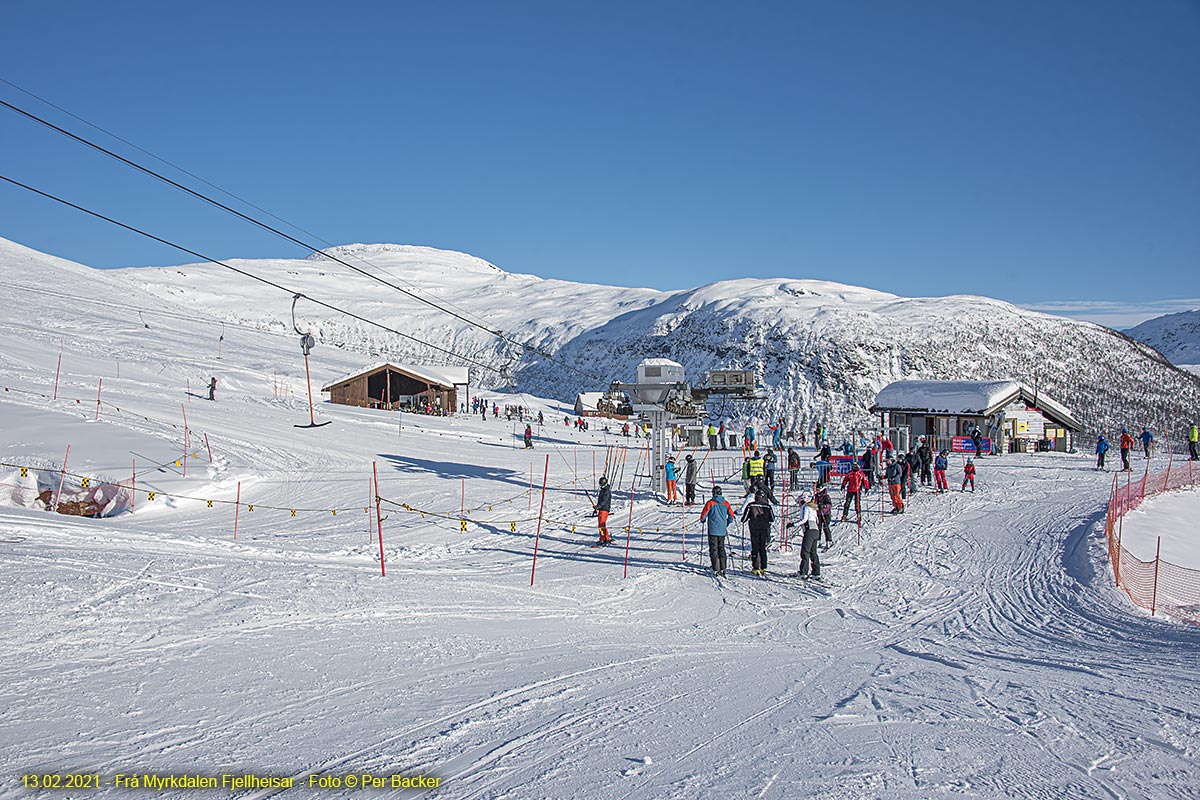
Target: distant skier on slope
(824,506)
(690,472)
(528,437)
(672,480)
(759,516)
(212,389)
(854,483)
(969,474)
(718,514)
(1126,445)
(1147,440)
(1101,449)
(977,440)
(914,469)
(925,454)
(939,471)
(793,467)
(894,474)
(603,507)
(810,561)
(1193,438)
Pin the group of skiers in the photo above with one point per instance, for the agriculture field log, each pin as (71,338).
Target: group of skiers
(1127,442)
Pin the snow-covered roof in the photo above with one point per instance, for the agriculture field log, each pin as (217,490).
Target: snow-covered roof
(659,362)
(589,399)
(965,397)
(444,376)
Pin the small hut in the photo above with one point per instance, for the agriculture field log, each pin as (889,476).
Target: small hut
(1010,415)
(402,386)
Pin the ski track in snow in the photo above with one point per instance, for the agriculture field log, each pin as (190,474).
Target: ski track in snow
(973,647)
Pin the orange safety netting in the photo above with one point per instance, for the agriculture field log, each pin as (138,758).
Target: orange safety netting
(1157,585)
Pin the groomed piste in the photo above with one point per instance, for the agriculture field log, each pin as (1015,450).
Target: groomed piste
(976,646)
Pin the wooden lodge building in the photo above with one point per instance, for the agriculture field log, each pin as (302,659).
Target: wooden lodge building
(1013,417)
(402,386)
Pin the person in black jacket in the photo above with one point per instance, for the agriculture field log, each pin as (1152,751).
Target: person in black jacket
(824,516)
(603,507)
(894,475)
(914,469)
(926,457)
(759,516)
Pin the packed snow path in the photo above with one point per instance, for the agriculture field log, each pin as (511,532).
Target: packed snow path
(973,647)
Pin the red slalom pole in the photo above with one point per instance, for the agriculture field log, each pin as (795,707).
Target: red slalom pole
(541,509)
(206,444)
(378,515)
(61,477)
(57,370)
(628,532)
(99,386)
(237,510)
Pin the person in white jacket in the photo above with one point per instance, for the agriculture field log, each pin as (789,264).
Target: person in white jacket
(809,560)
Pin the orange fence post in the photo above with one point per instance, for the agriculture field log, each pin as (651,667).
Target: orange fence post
(628,532)
(379,520)
(541,509)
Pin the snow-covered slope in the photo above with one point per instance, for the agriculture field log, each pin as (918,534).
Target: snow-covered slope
(1176,336)
(824,349)
(974,646)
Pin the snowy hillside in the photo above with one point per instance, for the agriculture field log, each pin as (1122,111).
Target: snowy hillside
(824,349)
(1176,336)
(238,621)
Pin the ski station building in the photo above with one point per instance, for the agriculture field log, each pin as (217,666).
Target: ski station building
(400,386)
(1012,417)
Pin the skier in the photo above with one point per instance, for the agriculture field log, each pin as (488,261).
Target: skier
(777,436)
(690,469)
(793,466)
(483,410)
(977,440)
(1126,445)
(528,437)
(1147,440)
(1193,437)
(769,470)
(1101,450)
(758,466)
(746,476)
(895,478)
(603,506)
(212,389)
(718,514)
(712,436)
(809,560)
(854,483)
(672,480)
(914,469)
(824,515)
(748,438)
(869,462)
(625,429)
(925,454)
(759,516)
(939,471)
(721,435)
(969,474)
(541,419)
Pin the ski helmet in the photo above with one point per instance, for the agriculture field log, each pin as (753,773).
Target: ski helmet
(716,491)
(603,481)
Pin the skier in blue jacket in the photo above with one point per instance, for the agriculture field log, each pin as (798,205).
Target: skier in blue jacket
(1102,446)
(718,514)
(1147,439)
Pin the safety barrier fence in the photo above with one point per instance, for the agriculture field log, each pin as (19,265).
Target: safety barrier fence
(1157,585)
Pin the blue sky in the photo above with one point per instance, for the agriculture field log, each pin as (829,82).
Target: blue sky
(1040,152)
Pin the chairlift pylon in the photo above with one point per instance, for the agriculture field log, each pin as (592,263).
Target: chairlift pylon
(307,343)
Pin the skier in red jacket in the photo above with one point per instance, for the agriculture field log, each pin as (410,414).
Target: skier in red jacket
(969,474)
(854,483)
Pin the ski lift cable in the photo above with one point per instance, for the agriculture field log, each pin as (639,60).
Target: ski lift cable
(314,250)
(252,276)
(206,182)
(242,272)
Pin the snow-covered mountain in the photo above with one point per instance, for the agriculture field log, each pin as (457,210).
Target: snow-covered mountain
(1176,336)
(824,349)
